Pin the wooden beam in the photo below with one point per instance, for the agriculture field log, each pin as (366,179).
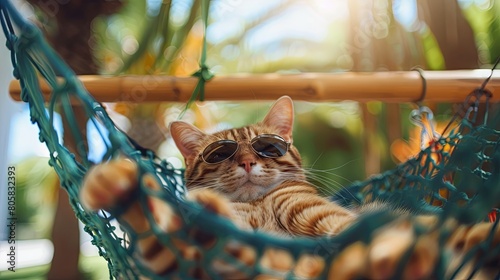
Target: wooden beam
(404,86)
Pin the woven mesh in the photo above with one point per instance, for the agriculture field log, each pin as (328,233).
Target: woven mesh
(457,176)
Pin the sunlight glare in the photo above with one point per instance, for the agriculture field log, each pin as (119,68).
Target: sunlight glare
(405,12)
(333,10)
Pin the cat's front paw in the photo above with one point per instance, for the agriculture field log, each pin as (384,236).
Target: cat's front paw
(212,202)
(467,237)
(390,246)
(397,245)
(106,185)
(479,239)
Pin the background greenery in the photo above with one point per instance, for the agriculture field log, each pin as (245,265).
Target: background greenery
(340,142)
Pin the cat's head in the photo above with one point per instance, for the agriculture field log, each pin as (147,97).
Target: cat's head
(244,175)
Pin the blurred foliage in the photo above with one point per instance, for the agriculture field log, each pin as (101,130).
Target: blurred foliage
(294,35)
(338,141)
(91,267)
(484,19)
(152,37)
(36,186)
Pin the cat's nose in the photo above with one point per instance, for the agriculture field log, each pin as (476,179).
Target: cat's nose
(247,164)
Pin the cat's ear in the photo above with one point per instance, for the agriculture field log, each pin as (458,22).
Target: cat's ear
(280,116)
(186,137)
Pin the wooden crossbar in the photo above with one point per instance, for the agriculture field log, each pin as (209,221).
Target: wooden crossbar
(403,86)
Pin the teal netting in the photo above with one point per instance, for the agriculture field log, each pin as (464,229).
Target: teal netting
(457,176)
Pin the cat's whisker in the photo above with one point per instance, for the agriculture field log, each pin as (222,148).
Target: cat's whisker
(326,178)
(335,168)
(328,185)
(314,163)
(316,172)
(327,171)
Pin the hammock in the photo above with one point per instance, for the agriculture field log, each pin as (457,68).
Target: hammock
(458,175)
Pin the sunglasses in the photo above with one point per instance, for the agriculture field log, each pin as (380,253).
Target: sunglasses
(264,145)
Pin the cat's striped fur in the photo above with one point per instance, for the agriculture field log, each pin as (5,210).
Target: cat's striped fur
(267,194)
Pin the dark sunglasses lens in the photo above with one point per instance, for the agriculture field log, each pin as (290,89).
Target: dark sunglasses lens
(270,147)
(219,151)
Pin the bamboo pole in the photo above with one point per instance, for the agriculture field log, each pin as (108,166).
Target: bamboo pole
(404,86)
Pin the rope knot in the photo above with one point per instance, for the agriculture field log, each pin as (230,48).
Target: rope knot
(11,41)
(204,75)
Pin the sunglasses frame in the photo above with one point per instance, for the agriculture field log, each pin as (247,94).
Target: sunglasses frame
(251,142)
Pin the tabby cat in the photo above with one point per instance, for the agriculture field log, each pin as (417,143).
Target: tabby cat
(253,176)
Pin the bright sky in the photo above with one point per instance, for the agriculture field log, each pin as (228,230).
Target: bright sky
(302,19)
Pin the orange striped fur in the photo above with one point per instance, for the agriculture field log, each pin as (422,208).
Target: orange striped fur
(264,194)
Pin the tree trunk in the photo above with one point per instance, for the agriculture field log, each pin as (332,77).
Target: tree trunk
(70,37)
(453,33)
